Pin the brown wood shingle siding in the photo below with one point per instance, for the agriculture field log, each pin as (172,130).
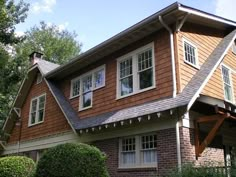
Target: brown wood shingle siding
(104,99)
(54,120)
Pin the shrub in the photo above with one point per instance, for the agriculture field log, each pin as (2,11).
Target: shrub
(72,160)
(203,171)
(16,166)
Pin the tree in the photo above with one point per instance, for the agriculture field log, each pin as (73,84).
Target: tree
(11,14)
(57,45)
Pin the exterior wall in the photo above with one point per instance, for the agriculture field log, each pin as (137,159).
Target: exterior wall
(214,154)
(166,150)
(54,120)
(104,99)
(205,39)
(215,86)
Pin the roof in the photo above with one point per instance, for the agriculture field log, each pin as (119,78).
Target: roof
(190,92)
(46,66)
(151,24)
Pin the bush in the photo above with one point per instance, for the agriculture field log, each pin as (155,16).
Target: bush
(203,171)
(72,160)
(16,166)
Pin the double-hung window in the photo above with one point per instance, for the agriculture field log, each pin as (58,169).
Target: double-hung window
(138,151)
(136,71)
(228,89)
(85,84)
(190,53)
(37,109)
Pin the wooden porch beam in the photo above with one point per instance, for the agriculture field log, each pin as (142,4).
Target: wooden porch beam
(199,148)
(205,119)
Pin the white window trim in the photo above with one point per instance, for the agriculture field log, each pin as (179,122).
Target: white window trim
(231,81)
(135,70)
(39,78)
(138,163)
(196,53)
(92,72)
(234,48)
(37,109)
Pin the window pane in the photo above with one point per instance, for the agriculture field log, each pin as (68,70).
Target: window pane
(128,158)
(99,78)
(34,105)
(41,102)
(126,68)
(87,99)
(41,114)
(145,60)
(126,85)
(146,79)
(75,87)
(33,116)
(227,84)
(87,83)
(149,156)
(190,53)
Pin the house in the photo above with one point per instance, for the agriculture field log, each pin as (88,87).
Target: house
(155,96)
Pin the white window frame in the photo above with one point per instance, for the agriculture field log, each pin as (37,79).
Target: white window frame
(234,47)
(231,82)
(39,78)
(37,110)
(196,53)
(92,72)
(138,153)
(134,55)
(71,87)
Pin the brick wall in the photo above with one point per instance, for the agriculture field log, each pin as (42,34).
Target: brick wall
(214,154)
(54,120)
(166,150)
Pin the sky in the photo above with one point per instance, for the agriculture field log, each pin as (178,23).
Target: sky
(97,21)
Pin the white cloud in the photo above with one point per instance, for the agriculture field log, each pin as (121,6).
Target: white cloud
(63,26)
(43,6)
(226,9)
(19,33)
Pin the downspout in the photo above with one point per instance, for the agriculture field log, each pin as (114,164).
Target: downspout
(174,88)
(172,55)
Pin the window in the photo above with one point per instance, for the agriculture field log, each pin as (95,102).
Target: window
(136,72)
(37,109)
(75,87)
(138,151)
(39,78)
(234,47)
(84,86)
(190,53)
(86,98)
(228,91)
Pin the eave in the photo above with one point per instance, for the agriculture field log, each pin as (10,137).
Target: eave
(171,15)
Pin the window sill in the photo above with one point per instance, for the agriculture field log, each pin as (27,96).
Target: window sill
(192,65)
(31,125)
(83,109)
(135,93)
(72,97)
(138,168)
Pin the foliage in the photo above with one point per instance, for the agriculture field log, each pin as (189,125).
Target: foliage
(19,166)
(203,171)
(11,14)
(72,160)
(58,46)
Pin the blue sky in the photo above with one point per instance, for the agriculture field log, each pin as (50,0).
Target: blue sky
(96,21)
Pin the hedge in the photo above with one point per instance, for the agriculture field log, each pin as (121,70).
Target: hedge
(16,166)
(72,160)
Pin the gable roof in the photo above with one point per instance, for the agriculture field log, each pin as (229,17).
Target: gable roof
(43,67)
(171,14)
(186,97)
